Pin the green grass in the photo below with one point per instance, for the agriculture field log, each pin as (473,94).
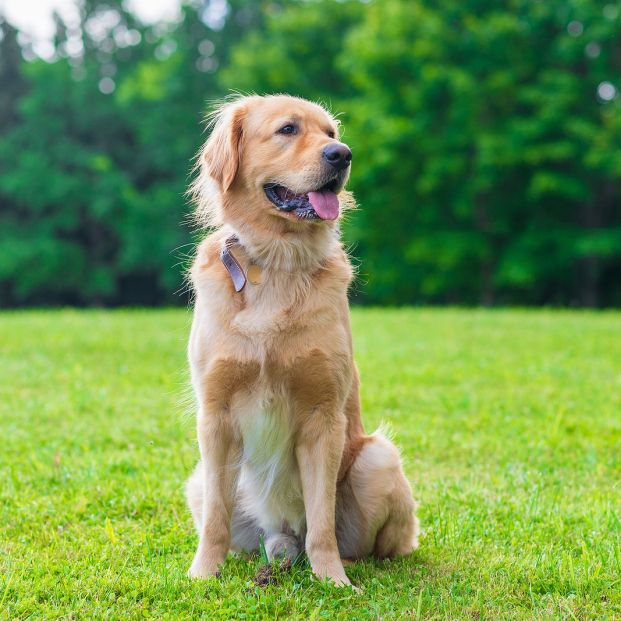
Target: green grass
(509,423)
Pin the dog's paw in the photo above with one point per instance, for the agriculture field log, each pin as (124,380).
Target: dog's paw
(333,573)
(281,545)
(203,568)
(340,581)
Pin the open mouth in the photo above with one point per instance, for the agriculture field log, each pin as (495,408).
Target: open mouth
(321,204)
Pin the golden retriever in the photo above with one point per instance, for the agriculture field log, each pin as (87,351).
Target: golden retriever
(284,455)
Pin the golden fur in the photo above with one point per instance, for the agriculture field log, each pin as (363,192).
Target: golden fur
(283,449)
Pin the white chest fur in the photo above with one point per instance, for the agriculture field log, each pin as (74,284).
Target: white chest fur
(270,478)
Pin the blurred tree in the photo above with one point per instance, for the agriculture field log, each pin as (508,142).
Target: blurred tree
(63,171)
(485,165)
(296,50)
(486,139)
(95,169)
(13,84)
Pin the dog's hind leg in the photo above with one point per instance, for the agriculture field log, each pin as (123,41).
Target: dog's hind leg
(375,509)
(399,534)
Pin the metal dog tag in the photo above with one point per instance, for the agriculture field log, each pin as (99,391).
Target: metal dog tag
(254,274)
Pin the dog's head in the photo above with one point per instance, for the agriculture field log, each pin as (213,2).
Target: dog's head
(275,159)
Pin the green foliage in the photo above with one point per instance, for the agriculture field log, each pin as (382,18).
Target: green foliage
(92,185)
(512,450)
(486,139)
(485,166)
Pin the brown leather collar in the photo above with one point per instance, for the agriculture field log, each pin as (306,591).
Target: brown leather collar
(232,265)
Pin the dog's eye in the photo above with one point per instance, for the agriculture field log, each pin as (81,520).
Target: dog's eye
(331,133)
(288,129)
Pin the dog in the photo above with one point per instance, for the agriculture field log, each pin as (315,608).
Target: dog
(284,455)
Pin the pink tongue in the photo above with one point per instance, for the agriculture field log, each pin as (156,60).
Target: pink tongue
(326,204)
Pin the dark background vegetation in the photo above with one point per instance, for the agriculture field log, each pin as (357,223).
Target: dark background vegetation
(486,139)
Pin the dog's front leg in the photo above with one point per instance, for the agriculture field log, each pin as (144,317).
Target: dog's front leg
(319,455)
(220,453)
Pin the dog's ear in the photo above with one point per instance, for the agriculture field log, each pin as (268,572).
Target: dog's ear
(222,152)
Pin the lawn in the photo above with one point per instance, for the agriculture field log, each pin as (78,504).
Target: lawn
(509,423)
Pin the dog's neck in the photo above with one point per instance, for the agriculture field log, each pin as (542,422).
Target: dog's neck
(302,250)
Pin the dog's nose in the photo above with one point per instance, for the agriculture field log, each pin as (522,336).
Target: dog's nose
(337,154)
